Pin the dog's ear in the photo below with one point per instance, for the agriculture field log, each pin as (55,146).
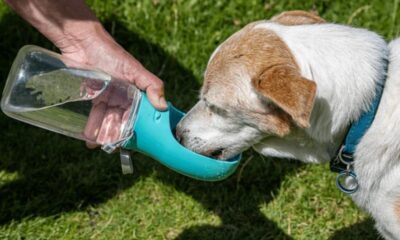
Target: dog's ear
(284,86)
(297,17)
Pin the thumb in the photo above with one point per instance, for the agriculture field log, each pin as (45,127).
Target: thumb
(153,86)
(156,97)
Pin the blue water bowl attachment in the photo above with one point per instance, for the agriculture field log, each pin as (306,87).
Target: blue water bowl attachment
(153,136)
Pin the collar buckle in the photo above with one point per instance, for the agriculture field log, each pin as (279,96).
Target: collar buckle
(341,161)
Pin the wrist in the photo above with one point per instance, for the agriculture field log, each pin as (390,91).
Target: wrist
(76,36)
(68,24)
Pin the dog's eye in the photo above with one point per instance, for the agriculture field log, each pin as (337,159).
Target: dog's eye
(238,55)
(217,110)
(209,110)
(214,109)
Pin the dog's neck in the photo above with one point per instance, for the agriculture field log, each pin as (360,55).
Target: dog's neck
(345,63)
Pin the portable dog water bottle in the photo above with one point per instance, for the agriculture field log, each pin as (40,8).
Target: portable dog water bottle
(49,91)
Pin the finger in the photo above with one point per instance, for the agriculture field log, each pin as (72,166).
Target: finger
(91,145)
(119,95)
(125,116)
(103,97)
(153,86)
(94,121)
(91,88)
(111,126)
(156,97)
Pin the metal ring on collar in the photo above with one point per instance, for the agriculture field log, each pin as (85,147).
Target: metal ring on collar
(341,155)
(353,186)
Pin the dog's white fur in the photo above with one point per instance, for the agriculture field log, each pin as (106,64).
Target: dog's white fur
(378,156)
(345,63)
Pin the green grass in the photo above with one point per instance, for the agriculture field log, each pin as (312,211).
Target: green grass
(52,187)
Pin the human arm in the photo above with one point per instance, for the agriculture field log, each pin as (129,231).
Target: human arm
(76,31)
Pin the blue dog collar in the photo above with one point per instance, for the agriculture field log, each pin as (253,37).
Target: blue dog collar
(344,161)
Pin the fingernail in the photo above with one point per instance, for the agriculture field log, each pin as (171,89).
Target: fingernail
(162,102)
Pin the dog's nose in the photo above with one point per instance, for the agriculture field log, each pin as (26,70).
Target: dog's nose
(214,153)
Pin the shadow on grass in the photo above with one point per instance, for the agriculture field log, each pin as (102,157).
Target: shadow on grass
(363,230)
(54,174)
(237,200)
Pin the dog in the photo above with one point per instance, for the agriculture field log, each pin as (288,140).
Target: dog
(290,87)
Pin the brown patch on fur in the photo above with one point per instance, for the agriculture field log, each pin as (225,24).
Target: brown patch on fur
(287,89)
(273,70)
(276,121)
(397,209)
(297,17)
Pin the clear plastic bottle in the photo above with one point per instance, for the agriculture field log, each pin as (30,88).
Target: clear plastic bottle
(48,90)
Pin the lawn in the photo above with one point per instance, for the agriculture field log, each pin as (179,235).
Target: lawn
(52,187)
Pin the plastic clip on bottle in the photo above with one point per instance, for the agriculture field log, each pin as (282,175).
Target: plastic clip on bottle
(49,91)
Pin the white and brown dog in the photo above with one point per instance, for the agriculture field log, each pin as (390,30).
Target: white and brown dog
(290,87)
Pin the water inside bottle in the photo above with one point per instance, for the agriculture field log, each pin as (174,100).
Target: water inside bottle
(49,89)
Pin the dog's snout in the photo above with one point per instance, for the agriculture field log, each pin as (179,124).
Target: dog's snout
(179,134)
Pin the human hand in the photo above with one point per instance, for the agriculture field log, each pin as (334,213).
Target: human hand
(76,31)
(98,50)
(111,109)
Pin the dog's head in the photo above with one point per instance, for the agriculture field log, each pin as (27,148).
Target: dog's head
(252,89)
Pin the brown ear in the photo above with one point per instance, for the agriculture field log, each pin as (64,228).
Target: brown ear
(294,94)
(297,17)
